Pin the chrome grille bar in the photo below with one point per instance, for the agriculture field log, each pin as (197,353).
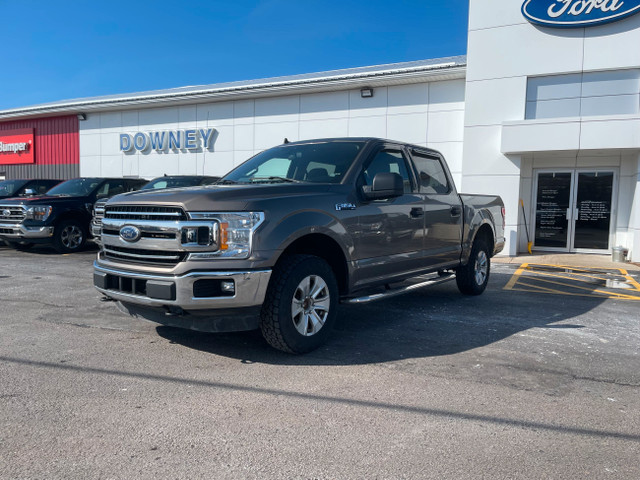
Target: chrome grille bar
(17,213)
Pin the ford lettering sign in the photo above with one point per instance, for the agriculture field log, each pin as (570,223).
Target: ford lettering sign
(578,13)
(130,233)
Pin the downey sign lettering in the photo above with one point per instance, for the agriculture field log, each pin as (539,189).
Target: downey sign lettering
(578,13)
(193,139)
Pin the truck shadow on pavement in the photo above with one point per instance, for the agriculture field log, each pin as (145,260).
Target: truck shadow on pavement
(427,323)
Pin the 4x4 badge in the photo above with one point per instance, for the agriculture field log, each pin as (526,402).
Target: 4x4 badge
(345,206)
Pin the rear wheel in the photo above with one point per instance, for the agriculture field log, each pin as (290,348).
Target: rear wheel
(69,236)
(300,306)
(472,278)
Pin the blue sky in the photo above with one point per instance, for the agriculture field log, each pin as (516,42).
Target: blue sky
(56,50)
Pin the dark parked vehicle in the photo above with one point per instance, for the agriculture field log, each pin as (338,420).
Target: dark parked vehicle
(62,216)
(24,188)
(167,181)
(292,232)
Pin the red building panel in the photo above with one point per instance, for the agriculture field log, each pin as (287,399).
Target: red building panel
(56,139)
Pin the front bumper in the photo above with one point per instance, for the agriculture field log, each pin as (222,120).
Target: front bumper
(193,291)
(19,232)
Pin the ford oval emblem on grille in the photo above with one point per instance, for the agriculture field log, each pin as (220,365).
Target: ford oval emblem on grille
(6,213)
(130,233)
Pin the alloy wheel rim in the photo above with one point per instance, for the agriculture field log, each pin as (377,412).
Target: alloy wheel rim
(482,267)
(310,305)
(71,236)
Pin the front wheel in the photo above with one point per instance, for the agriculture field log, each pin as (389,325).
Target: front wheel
(69,236)
(472,278)
(300,306)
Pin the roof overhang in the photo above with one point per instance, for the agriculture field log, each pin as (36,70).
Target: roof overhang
(240,90)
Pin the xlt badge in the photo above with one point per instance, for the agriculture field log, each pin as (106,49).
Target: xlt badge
(345,206)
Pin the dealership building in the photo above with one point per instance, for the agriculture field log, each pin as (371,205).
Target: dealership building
(544,110)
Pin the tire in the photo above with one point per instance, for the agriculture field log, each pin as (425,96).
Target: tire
(472,278)
(300,306)
(69,236)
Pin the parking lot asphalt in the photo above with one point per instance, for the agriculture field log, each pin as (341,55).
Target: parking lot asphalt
(520,382)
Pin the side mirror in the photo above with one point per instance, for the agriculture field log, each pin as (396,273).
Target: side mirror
(385,185)
(29,192)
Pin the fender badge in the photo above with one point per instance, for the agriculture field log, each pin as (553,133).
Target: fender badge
(345,206)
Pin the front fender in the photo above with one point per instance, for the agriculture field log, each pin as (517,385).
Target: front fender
(278,236)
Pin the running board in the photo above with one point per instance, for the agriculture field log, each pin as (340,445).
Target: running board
(399,291)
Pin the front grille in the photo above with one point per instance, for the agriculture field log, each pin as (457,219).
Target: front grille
(98,214)
(12,213)
(139,255)
(8,231)
(138,212)
(116,232)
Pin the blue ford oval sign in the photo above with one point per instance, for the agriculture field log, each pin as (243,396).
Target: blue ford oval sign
(130,233)
(578,13)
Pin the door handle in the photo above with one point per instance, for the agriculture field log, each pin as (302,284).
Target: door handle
(456,211)
(417,212)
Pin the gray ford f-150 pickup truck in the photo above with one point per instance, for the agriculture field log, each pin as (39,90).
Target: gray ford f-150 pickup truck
(285,237)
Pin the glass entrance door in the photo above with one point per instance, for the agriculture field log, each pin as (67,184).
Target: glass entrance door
(573,210)
(552,204)
(593,210)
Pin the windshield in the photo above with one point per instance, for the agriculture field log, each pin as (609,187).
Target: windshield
(10,187)
(172,182)
(77,187)
(309,162)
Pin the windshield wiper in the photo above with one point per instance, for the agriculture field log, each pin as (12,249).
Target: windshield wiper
(225,181)
(274,179)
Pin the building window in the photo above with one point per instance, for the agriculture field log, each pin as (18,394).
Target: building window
(613,92)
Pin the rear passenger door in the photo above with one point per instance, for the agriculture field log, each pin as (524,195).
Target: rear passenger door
(390,232)
(443,209)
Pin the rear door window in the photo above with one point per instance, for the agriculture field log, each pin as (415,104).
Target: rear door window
(433,179)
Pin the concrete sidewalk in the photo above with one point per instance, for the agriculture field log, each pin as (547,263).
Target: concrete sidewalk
(569,259)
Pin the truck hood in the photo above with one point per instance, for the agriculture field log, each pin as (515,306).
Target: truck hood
(221,197)
(52,200)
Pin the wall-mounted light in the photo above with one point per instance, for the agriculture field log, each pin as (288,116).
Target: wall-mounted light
(366,92)
(82,116)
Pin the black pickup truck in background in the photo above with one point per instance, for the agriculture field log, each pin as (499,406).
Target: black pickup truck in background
(61,217)
(285,237)
(26,187)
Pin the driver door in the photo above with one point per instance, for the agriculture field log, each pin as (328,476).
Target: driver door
(390,232)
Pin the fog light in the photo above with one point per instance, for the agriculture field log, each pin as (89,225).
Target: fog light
(228,287)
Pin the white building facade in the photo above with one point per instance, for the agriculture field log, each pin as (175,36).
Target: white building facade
(546,117)
(552,118)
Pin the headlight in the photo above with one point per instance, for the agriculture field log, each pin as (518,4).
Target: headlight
(235,233)
(39,213)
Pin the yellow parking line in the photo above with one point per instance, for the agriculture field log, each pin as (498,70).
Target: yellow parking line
(516,281)
(547,274)
(630,279)
(611,295)
(621,295)
(514,278)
